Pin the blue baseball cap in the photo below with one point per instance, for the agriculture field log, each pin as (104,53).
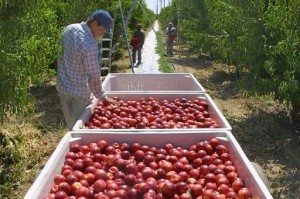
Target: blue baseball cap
(104,18)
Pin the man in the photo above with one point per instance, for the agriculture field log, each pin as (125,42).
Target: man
(79,74)
(137,43)
(170,37)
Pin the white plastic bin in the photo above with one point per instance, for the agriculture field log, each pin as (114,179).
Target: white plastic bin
(151,82)
(213,110)
(42,184)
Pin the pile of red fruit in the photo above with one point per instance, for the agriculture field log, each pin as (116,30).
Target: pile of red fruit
(152,114)
(137,171)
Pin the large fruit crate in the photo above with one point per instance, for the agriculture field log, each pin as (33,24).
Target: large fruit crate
(151,82)
(213,110)
(245,170)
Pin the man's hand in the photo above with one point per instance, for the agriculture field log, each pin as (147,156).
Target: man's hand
(108,100)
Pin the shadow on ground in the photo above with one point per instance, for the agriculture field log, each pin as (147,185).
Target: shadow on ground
(49,114)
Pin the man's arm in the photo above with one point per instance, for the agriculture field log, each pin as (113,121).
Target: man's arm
(93,72)
(143,38)
(94,77)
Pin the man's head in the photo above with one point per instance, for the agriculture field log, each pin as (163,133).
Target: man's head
(103,18)
(138,26)
(170,24)
(100,22)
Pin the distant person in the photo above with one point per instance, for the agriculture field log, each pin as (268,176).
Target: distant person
(137,43)
(170,37)
(79,74)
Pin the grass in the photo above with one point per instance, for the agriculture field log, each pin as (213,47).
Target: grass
(165,65)
(26,143)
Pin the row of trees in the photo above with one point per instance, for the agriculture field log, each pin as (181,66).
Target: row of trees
(261,37)
(30,31)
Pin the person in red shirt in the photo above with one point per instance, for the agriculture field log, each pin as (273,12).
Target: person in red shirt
(137,43)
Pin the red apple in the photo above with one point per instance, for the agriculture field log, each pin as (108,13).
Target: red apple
(237,184)
(65,187)
(244,193)
(232,194)
(181,187)
(211,185)
(75,186)
(168,189)
(210,177)
(196,189)
(59,178)
(60,195)
(220,149)
(71,178)
(231,176)
(99,186)
(207,194)
(214,142)
(82,192)
(223,189)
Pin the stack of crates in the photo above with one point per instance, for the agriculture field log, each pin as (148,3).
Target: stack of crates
(160,86)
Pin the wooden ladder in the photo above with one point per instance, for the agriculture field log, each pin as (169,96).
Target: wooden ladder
(107,43)
(105,64)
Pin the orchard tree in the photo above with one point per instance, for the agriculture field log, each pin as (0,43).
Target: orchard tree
(30,31)
(260,37)
(282,49)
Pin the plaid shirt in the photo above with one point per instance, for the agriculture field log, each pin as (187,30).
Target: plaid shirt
(79,71)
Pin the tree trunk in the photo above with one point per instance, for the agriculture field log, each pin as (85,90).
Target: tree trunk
(295,113)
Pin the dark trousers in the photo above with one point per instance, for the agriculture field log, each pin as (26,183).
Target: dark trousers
(139,51)
(170,47)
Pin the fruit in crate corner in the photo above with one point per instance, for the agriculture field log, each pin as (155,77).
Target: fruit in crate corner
(49,196)
(59,178)
(232,176)
(244,193)
(105,125)
(214,142)
(65,187)
(237,184)
(96,123)
(220,149)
